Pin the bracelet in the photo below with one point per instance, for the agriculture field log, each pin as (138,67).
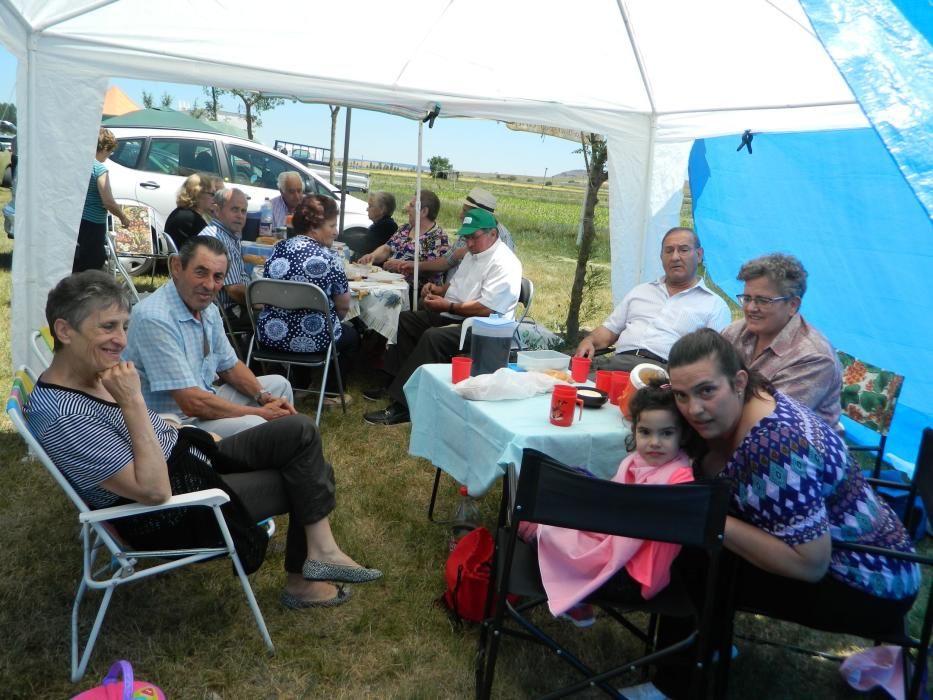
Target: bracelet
(450,309)
(258,397)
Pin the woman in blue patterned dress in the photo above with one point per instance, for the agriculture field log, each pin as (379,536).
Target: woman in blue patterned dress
(796,492)
(306,257)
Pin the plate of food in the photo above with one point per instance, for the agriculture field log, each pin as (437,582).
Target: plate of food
(592,397)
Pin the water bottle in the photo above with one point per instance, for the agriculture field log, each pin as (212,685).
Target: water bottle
(465,517)
(265,218)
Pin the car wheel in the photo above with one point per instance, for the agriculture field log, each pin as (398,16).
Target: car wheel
(136,266)
(7,177)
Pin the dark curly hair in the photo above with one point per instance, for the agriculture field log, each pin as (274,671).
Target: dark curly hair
(657,396)
(312,211)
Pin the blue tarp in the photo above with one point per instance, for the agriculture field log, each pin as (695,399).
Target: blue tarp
(838,202)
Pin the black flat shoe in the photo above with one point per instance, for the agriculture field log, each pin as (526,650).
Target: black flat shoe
(344,593)
(393,414)
(315,570)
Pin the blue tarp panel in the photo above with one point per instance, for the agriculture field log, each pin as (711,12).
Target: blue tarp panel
(882,49)
(838,202)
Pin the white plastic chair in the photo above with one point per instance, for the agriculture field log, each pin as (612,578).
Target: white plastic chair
(287,294)
(97,533)
(43,345)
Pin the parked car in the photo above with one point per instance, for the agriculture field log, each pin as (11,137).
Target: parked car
(150,164)
(317,159)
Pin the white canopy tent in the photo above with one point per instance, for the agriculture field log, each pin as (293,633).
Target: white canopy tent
(651,75)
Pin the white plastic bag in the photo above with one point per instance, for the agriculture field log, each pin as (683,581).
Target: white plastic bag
(505,383)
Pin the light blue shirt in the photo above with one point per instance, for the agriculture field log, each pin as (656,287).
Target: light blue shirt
(167,344)
(236,271)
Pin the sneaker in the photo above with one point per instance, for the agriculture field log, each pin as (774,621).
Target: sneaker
(393,414)
(580,615)
(334,401)
(644,691)
(377,393)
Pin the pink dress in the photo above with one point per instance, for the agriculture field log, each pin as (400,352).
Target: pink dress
(575,563)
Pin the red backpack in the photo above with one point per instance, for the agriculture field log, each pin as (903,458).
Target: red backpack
(467,574)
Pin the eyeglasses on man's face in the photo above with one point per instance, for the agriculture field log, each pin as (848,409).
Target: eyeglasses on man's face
(748,300)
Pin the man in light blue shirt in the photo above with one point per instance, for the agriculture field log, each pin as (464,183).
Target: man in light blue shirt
(227,227)
(178,344)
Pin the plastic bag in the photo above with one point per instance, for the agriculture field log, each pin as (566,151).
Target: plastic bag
(505,383)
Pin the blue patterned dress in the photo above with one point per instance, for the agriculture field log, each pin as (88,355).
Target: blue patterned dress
(795,480)
(301,259)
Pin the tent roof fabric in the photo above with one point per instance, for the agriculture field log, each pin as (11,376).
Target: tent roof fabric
(116,103)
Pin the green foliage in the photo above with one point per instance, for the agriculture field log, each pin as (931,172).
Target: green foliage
(7,114)
(438,164)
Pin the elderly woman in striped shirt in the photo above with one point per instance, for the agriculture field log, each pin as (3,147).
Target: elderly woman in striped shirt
(88,413)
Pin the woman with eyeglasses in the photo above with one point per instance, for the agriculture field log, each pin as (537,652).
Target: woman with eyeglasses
(91,251)
(195,202)
(775,340)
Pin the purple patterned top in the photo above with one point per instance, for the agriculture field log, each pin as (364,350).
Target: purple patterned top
(434,244)
(794,479)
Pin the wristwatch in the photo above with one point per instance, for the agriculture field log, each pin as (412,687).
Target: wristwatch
(258,397)
(450,309)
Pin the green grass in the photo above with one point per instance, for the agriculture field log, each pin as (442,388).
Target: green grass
(191,631)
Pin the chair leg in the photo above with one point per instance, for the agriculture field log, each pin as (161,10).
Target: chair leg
(437,481)
(78,669)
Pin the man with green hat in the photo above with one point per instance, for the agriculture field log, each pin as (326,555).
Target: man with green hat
(488,281)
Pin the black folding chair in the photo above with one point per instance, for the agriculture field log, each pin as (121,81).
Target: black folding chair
(549,493)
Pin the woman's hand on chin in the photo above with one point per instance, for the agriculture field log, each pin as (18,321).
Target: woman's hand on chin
(122,382)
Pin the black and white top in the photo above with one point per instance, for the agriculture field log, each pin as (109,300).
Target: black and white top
(87,438)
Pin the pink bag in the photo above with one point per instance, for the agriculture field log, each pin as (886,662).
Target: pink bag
(112,688)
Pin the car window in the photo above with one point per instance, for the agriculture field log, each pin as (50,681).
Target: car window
(127,152)
(181,157)
(257,168)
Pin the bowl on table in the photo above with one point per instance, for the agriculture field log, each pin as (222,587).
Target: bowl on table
(592,397)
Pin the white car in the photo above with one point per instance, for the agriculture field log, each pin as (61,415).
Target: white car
(149,165)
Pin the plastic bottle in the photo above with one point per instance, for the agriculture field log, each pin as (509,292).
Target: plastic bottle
(465,517)
(265,218)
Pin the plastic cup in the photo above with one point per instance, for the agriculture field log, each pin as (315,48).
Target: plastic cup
(620,380)
(460,369)
(563,402)
(604,380)
(580,368)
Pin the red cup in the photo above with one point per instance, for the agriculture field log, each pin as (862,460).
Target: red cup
(620,380)
(580,368)
(460,369)
(563,401)
(604,380)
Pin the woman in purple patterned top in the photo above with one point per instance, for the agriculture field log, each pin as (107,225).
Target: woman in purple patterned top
(797,492)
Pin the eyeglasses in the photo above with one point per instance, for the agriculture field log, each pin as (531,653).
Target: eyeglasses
(745,300)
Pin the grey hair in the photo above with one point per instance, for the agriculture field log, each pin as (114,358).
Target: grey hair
(221,197)
(684,229)
(187,251)
(77,296)
(385,201)
(285,174)
(785,271)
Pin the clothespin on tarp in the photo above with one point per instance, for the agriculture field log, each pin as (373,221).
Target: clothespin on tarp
(431,116)
(747,137)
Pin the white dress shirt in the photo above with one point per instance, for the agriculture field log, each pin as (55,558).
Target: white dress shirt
(651,319)
(493,278)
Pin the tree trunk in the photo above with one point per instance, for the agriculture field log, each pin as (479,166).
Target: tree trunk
(249,120)
(214,103)
(333,140)
(597,175)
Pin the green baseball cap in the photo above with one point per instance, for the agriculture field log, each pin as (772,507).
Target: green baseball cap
(475,220)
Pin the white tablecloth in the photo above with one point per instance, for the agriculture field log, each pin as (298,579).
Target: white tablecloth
(379,304)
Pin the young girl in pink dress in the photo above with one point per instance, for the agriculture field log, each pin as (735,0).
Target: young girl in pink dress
(575,563)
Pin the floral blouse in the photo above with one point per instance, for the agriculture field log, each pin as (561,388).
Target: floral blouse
(434,244)
(301,259)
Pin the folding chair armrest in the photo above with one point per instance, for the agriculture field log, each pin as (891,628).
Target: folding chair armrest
(864,448)
(207,497)
(888,484)
(883,551)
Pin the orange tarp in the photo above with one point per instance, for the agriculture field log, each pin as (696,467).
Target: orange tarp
(116,103)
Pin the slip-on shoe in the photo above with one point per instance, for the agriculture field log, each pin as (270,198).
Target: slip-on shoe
(393,414)
(376,393)
(315,570)
(344,593)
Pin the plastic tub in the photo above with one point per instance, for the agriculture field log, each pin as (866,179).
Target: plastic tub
(542,359)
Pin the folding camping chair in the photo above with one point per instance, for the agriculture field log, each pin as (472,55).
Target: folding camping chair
(286,294)
(550,493)
(118,562)
(43,345)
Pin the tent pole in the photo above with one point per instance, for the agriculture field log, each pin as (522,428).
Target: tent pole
(414,284)
(343,177)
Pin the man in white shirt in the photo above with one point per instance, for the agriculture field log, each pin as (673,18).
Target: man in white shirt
(653,315)
(291,190)
(488,281)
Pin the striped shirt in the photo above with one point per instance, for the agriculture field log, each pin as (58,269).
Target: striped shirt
(279,211)
(236,271)
(93,204)
(86,437)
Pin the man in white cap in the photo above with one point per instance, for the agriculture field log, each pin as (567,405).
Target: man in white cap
(478,198)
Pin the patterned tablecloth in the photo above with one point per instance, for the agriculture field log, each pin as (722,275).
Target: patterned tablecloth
(377,303)
(475,441)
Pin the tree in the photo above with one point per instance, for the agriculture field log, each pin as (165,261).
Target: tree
(333,138)
(210,107)
(439,164)
(165,102)
(595,154)
(254,104)
(148,101)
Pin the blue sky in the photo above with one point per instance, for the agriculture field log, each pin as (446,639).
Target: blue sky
(470,144)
